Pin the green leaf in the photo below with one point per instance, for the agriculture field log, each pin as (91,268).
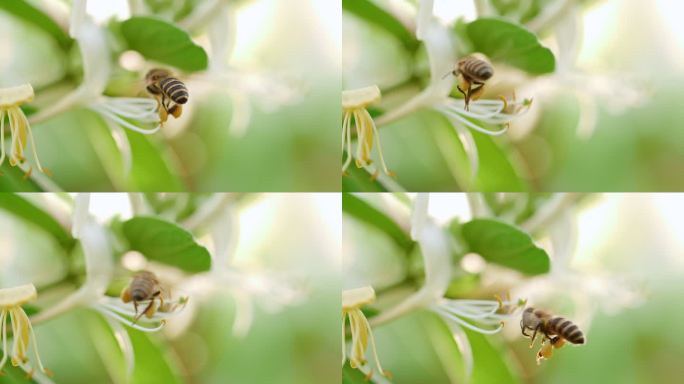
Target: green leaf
(30,14)
(365,212)
(22,208)
(153,364)
(373,14)
(165,242)
(359,180)
(163,42)
(489,364)
(511,44)
(506,245)
(150,172)
(496,173)
(12,180)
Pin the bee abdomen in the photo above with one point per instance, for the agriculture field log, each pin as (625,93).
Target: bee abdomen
(566,329)
(175,90)
(478,70)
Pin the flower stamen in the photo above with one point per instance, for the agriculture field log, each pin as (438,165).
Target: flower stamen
(361,332)
(19,127)
(354,103)
(11,300)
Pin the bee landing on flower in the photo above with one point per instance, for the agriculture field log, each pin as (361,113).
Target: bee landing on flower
(20,130)
(354,103)
(361,333)
(11,300)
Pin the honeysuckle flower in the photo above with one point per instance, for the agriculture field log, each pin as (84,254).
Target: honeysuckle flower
(99,271)
(20,129)
(483,316)
(354,103)
(132,113)
(11,300)
(268,91)
(587,290)
(439,45)
(616,92)
(361,333)
(271,291)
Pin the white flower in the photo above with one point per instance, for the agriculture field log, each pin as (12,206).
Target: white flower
(11,300)
(483,316)
(361,333)
(588,291)
(99,271)
(268,91)
(618,92)
(442,58)
(136,114)
(247,287)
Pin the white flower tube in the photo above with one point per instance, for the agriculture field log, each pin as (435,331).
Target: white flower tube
(130,113)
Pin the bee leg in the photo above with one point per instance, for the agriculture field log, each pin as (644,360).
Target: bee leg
(151,309)
(534,335)
(462,91)
(476,92)
(135,307)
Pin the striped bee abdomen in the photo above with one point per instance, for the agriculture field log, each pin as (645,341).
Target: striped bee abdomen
(174,89)
(476,69)
(566,329)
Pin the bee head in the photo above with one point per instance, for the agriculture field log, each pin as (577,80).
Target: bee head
(156,74)
(138,296)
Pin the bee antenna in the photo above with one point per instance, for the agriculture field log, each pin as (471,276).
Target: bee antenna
(447,74)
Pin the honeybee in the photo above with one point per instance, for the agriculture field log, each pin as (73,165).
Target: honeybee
(144,286)
(472,72)
(556,329)
(170,92)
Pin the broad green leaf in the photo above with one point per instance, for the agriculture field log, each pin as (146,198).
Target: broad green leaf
(165,242)
(506,245)
(511,44)
(150,172)
(30,14)
(359,180)
(153,364)
(365,212)
(161,41)
(22,208)
(372,13)
(489,364)
(496,173)
(12,180)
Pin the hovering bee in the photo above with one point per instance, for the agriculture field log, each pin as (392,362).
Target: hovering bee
(472,72)
(144,286)
(170,92)
(554,328)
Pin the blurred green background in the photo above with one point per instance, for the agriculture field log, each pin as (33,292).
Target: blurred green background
(630,77)
(284,148)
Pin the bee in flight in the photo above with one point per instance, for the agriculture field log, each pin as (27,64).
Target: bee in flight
(556,329)
(144,286)
(472,72)
(170,93)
